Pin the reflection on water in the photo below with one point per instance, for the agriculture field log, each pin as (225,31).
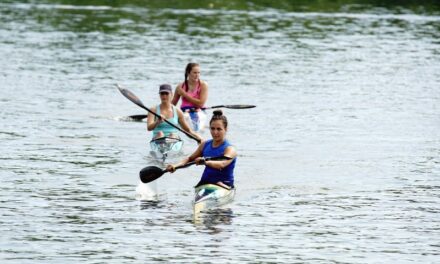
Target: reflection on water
(148,204)
(213,219)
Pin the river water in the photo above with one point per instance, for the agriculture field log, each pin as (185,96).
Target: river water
(338,163)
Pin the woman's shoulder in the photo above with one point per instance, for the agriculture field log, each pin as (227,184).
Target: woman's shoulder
(180,85)
(203,83)
(231,151)
(154,108)
(178,110)
(229,144)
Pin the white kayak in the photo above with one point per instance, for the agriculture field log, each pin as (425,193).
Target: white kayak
(164,147)
(195,119)
(210,196)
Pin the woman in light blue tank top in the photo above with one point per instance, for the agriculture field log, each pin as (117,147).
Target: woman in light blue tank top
(165,129)
(168,112)
(219,172)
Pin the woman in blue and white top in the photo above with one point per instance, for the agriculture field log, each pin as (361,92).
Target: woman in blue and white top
(169,112)
(219,172)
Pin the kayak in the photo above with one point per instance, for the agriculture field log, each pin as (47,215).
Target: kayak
(210,196)
(195,119)
(163,147)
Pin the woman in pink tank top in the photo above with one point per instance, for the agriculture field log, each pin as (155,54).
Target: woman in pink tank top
(193,91)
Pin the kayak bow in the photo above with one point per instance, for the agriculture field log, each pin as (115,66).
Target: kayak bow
(210,196)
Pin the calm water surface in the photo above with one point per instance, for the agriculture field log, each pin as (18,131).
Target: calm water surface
(339,162)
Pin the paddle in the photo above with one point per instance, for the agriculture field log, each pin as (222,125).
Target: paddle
(137,117)
(130,96)
(236,106)
(151,173)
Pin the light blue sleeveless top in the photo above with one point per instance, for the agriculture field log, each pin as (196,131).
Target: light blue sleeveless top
(164,126)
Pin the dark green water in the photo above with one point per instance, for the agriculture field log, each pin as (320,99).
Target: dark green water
(338,163)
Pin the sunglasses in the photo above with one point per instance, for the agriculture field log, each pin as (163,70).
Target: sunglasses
(164,93)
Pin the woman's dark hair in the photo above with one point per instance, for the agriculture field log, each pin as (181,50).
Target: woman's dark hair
(218,115)
(188,69)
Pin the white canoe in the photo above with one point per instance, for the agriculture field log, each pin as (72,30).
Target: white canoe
(196,119)
(164,147)
(210,196)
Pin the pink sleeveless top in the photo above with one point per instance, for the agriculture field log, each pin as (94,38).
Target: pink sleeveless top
(194,94)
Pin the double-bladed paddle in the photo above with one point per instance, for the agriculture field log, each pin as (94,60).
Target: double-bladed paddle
(130,96)
(234,106)
(151,173)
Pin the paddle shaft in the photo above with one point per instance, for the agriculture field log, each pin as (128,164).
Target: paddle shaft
(130,96)
(151,173)
(236,106)
(194,162)
(239,106)
(192,109)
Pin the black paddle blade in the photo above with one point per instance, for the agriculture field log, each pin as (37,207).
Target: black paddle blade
(130,96)
(236,106)
(240,106)
(137,117)
(150,173)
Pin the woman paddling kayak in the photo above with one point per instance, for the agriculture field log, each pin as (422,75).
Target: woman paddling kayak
(169,112)
(218,172)
(194,93)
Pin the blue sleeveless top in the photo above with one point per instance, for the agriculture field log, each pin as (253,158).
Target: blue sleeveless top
(211,175)
(164,126)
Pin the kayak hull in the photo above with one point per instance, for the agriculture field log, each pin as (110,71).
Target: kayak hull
(210,196)
(196,119)
(164,147)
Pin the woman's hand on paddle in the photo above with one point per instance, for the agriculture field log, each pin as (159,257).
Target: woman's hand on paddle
(161,119)
(200,139)
(171,168)
(200,161)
